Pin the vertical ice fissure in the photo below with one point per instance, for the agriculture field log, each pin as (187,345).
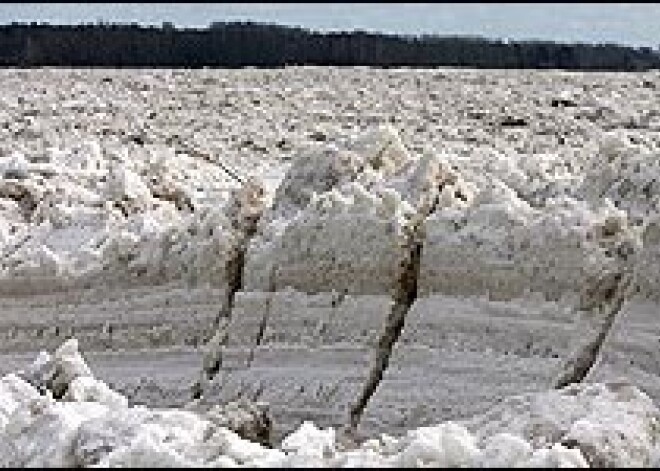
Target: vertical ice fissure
(260,333)
(404,296)
(248,208)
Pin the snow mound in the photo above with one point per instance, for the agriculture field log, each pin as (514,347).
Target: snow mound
(612,424)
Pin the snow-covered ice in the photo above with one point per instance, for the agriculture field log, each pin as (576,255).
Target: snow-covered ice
(379,246)
(579,426)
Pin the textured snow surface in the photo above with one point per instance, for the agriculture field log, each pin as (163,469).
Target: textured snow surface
(91,425)
(445,235)
(118,176)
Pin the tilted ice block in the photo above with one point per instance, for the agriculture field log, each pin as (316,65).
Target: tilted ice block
(630,351)
(351,241)
(458,355)
(506,251)
(155,246)
(306,355)
(357,238)
(340,215)
(118,215)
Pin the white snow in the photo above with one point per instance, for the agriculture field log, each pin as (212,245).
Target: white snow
(512,214)
(600,424)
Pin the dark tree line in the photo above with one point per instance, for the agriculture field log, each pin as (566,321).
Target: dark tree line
(265,45)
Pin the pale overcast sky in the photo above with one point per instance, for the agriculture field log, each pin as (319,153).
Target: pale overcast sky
(627,23)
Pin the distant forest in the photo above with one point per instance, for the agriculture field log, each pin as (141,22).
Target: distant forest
(266,45)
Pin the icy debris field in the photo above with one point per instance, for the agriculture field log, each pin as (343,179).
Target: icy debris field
(365,254)
(89,424)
